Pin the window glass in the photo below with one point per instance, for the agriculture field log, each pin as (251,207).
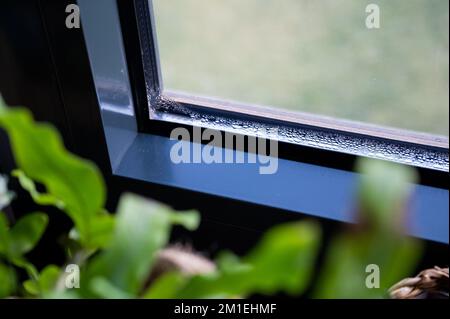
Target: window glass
(386,64)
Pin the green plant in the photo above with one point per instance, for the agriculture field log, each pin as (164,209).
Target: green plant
(116,252)
(378,240)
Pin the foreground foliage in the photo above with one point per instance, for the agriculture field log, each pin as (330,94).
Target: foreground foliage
(116,252)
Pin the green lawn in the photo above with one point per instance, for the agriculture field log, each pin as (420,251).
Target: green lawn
(313,56)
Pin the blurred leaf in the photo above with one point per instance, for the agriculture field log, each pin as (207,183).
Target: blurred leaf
(40,154)
(7,281)
(105,289)
(39,198)
(165,287)
(21,262)
(285,257)
(102,228)
(31,287)
(62,294)
(48,278)
(4,236)
(25,234)
(282,261)
(344,272)
(21,238)
(142,228)
(384,191)
(45,282)
(188,219)
(229,262)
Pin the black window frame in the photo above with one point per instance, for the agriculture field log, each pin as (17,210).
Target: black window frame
(421,150)
(331,170)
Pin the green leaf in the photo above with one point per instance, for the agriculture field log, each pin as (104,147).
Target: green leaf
(7,281)
(31,287)
(102,228)
(27,266)
(39,198)
(62,294)
(165,287)
(40,154)
(282,261)
(25,234)
(188,219)
(21,238)
(105,289)
(285,257)
(48,278)
(4,235)
(344,272)
(384,188)
(45,282)
(384,191)
(142,228)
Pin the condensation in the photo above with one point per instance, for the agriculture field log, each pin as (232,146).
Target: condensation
(419,156)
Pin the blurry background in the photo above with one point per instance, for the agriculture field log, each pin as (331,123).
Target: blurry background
(313,56)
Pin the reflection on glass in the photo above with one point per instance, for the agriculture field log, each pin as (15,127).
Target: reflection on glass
(313,56)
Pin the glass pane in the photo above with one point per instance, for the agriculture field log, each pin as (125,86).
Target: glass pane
(326,57)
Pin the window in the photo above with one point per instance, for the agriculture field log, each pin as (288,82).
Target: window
(140,106)
(319,57)
(365,75)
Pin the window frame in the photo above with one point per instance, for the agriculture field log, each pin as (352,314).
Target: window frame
(361,139)
(138,147)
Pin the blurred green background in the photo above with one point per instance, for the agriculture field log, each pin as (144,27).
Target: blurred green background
(313,56)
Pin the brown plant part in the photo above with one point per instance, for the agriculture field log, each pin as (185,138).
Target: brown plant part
(429,284)
(180,259)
